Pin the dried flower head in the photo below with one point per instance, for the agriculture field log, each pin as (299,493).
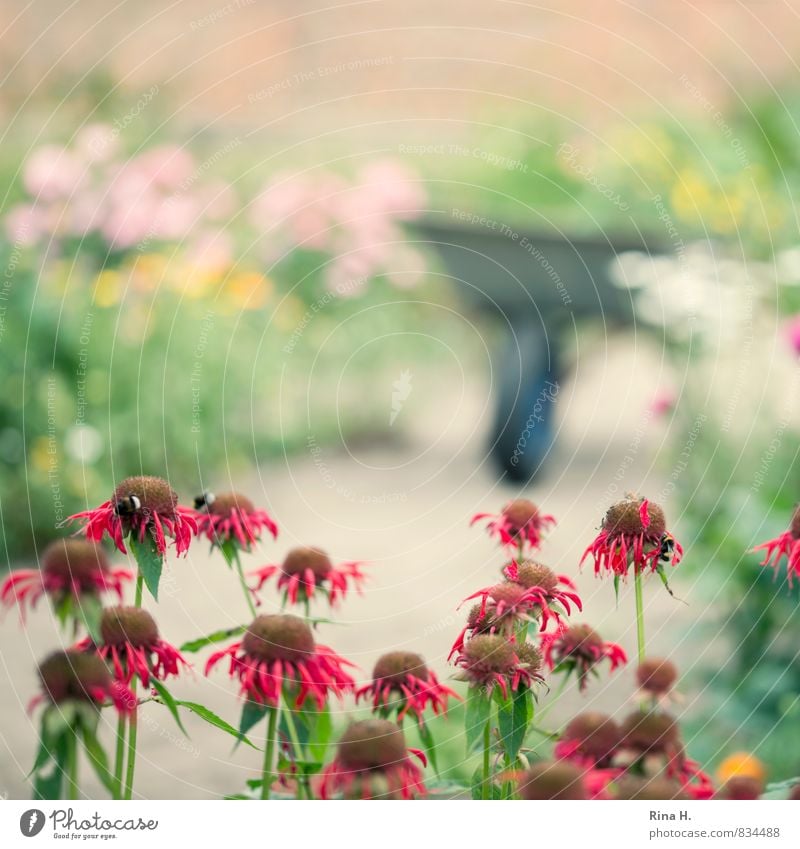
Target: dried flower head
(553,780)
(656,676)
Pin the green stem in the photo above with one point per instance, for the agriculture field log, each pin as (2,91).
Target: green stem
(72,766)
(133,726)
(637,586)
(137,601)
(133,721)
(248,596)
(487,746)
(303,784)
(119,758)
(269,751)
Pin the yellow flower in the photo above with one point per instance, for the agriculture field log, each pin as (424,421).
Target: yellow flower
(247,290)
(107,288)
(40,455)
(741,764)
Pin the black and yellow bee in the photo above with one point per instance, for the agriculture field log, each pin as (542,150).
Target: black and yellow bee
(666,549)
(127,505)
(204,501)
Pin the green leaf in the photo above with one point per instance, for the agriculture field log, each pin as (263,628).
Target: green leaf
(495,791)
(616,589)
(428,743)
(252,713)
(513,718)
(98,760)
(49,786)
(169,701)
(150,561)
(90,610)
(215,637)
(321,734)
(212,719)
(228,549)
(479,707)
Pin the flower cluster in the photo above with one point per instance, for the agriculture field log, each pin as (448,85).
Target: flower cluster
(643,757)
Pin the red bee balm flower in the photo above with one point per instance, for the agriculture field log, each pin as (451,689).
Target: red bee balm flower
(232,518)
(305,570)
(278,653)
(141,506)
(580,648)
(372,762)
(786,545)
(490,660)
(590,740)
(74,676)
(633,531)
(402,682)
(518,523)
(131,643)
(69,568)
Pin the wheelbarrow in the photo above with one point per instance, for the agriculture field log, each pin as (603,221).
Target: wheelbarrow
(539,285)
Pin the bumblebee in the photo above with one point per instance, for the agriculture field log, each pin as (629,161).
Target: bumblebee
(204,501)
(127,505)
(666,549)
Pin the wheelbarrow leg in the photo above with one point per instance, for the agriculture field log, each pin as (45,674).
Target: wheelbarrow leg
(527,395)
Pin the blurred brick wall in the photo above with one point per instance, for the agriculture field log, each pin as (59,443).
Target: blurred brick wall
(257,62)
